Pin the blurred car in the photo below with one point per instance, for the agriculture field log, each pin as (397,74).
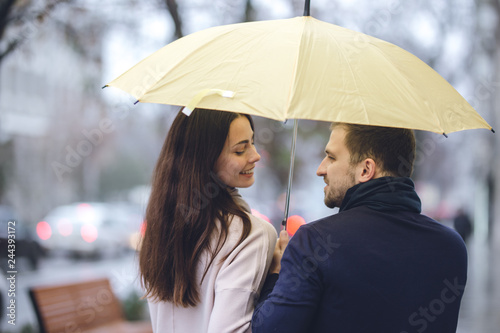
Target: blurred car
(90,229)
(26,244)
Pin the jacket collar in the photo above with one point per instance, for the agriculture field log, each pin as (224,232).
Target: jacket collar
(384,194)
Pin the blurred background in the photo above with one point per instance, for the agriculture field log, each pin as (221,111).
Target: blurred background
(76,160)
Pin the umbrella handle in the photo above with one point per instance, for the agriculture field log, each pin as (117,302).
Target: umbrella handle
(290,174)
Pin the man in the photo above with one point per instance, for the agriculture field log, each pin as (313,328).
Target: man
(377,266)
(463,224)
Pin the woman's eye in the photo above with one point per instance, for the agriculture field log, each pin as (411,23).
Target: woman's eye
(239,152)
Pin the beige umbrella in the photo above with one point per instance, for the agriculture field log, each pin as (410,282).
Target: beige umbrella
(300,68)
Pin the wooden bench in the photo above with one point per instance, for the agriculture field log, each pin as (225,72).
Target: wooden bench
(89,307)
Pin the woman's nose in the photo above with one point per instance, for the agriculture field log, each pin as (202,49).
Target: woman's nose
(255,156)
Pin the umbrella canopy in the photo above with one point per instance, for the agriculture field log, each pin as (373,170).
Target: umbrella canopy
(300,68)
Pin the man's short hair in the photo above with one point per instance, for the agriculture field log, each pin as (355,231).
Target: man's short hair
(392,149)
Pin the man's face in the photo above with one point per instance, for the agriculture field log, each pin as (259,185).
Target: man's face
(336,169)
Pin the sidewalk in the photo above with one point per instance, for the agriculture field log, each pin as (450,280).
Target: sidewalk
(480,310)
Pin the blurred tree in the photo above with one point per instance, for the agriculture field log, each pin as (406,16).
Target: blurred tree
(5,10)
(174,13)
(18,21)
(487,93)
(50,97)
(21,16)
(250,13)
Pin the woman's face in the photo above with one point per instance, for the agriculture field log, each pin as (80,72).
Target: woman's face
(236,163)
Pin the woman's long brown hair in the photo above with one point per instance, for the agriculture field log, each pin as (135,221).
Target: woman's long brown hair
(186,200)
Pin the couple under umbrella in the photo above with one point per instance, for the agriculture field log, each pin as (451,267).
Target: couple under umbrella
(378,265)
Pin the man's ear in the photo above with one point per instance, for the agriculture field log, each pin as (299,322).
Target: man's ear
(367,170)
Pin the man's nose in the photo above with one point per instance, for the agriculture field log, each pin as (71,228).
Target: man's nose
(321,171)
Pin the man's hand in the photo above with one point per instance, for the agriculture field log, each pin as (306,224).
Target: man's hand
(280,247)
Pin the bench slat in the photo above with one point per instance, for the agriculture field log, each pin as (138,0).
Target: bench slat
(82,307)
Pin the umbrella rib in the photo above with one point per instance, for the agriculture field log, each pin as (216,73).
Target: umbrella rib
(294,70)
(156,83)
(436,118)
(189,56)
(353,77)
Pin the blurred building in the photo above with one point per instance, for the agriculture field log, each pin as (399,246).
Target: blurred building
(47,103)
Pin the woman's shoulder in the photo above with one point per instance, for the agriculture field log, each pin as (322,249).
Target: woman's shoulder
(263,226)
(259,243)
(259,227)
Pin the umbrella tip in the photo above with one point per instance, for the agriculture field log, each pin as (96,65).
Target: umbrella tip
(307,8)
(104,86)
(446,136)
(492,130)
(136,102)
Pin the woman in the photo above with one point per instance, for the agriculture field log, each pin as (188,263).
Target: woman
(204,256)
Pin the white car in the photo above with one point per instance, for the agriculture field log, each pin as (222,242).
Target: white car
(90,229)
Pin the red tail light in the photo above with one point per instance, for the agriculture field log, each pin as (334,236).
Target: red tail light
(89,233)
(43,230)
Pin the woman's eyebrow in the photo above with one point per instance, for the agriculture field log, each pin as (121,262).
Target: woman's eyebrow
(241,142)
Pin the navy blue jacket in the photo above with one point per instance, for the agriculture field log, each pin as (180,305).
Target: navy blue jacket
(377,266)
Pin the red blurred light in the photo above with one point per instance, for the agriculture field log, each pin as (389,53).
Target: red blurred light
(89,233)
(143,228)
(43,230)
(84,206)
(255,212)
(85,212)
(293,223)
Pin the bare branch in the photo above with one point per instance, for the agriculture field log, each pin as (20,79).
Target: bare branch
(174,12)
(33,20)
(10,47)
(249,11)
(5,9)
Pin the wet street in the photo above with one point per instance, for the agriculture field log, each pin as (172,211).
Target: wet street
(480,311)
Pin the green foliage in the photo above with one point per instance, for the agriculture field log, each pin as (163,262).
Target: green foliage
(26,328)
(134,307)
